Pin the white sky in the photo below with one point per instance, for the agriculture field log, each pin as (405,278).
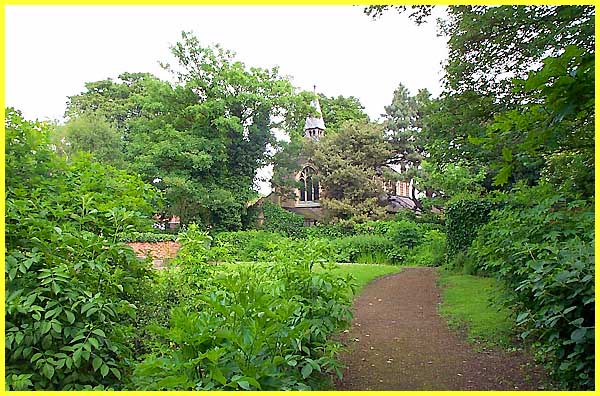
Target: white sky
(51,51)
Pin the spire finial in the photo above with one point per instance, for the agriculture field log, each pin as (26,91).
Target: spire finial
(315,89)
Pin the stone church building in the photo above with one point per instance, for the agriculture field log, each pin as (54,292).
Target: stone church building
(305,200)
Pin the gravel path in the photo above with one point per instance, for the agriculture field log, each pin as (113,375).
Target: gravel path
(399,342)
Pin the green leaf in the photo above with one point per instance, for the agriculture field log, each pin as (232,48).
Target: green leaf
(244,385)
(507,154)
(116,372)
(99,332)
(579,335)
(522,316)
(217,375)
(56,326)
(48,370)
(94,342)
(503,175)
(570,309)
(77,356)
(96,363)
(70,316)
(306,371)
(104,370)
(35,357)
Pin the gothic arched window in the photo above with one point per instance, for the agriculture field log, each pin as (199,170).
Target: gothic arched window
(309,185)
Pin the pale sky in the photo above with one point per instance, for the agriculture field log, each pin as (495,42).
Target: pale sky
(51,51)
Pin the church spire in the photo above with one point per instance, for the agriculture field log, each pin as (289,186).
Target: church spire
(314,126)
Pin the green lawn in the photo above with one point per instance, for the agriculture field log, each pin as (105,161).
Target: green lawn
(365,273)
(467,304)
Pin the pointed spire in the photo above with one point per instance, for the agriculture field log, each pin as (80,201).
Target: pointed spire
(316,121)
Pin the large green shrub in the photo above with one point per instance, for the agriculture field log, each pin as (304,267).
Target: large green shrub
(70,287)
(431,252)
(370,249)
(248,245)
(542,247)
(282,221)
(405,233)
(249,326)
(463,218)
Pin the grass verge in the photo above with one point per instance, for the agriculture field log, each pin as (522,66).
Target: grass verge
(467,305)
(365,273)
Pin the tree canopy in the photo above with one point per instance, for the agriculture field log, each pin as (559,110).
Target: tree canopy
(199,140)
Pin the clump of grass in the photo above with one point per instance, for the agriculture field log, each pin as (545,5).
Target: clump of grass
(468,304)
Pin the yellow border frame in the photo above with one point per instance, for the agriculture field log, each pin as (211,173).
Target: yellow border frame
(271,2)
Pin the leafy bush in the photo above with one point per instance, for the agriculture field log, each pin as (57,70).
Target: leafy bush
(431,252)
(282,221)
(246,245)
(405,233)
(349,228)
(545,252)
(70,287)
(249,327)
(368,249)
(463,218)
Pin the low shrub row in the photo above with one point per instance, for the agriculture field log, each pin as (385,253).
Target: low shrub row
(394,242)
(148,237)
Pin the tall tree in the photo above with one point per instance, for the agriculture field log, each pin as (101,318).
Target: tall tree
(201,139)
(339,109)
(115,100)
(350,165)
(489,47)
(403,122)
(91,133)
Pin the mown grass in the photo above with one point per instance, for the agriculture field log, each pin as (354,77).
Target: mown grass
(467,305)
(365,273)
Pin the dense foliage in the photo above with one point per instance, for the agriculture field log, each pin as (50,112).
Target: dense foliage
(71,288)
(544,250)
(506,153)
(375,242)
(277,219)
(517,116)
(259,327)
(200,140)
(350,164)
(464,217)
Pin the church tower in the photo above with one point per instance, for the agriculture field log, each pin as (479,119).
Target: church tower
(305,196)
(314,127)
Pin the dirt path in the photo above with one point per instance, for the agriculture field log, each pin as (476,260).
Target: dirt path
(399,342)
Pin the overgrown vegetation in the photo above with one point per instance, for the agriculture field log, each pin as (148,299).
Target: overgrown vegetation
(506,154)
(510,147)
(252,327)
(71,287)
(376,242)
(544,250)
